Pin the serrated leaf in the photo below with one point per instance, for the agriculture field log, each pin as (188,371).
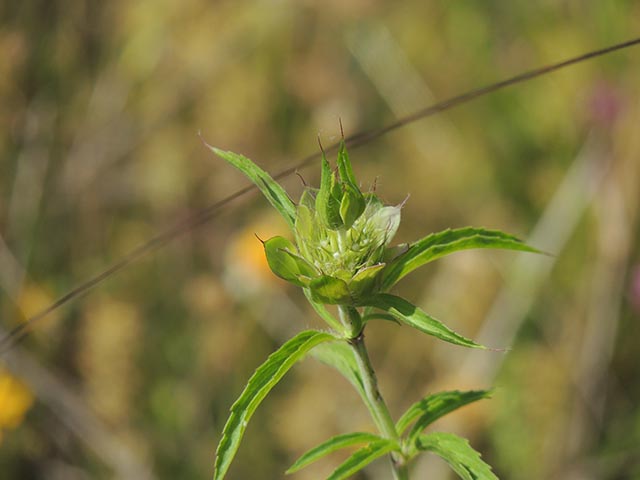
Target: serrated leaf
(431,408)
(331,290)
(330,446)
(271,189)
(339,356)
(443,243)
(362,458)
(259,385)
(413,316)
(457,452)
(286,264)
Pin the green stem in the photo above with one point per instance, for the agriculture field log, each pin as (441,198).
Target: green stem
(375,403)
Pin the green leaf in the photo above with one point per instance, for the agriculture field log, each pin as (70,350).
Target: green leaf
(457,452)
(443,243)
(259,385)
(331,290)
(362,458)
(411,315)
(330,446)
(267,185)
(339,356)
(286,264)
(431,408)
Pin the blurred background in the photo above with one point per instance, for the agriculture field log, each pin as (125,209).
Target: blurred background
(101,103)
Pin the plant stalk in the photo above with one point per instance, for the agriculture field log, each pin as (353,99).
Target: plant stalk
(375,403)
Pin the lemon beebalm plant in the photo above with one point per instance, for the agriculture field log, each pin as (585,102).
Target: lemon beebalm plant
(342,255)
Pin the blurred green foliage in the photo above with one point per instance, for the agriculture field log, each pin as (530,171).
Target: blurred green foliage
(101,105)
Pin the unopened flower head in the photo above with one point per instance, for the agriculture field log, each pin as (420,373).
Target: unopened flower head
(341,238)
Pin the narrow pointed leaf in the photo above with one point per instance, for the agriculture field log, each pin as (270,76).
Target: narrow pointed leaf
(413,316)
(443,243)
(457,452)
(362,458)
(267,185)
(259,385)
(431,408)
(330,446)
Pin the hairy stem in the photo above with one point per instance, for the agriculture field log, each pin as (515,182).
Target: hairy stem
(375,403)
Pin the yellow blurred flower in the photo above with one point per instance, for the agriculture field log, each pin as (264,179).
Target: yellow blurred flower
(15,400)
(32,300)
(247,270)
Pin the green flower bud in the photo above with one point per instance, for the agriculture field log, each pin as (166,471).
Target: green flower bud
(341,239)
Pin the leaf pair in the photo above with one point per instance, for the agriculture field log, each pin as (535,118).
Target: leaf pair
(456,451)
(375,448)
(426,411)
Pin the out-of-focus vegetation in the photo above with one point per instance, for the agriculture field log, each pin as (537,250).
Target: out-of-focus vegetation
(100,107)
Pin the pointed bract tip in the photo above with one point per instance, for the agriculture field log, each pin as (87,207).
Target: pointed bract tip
(261,241)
